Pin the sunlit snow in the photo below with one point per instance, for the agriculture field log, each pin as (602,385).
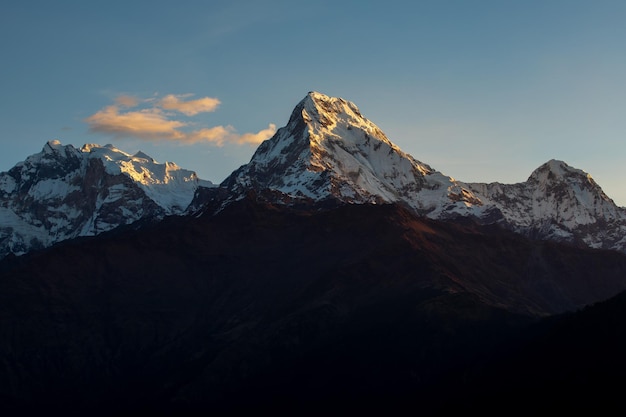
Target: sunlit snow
(46,198)
(329,150)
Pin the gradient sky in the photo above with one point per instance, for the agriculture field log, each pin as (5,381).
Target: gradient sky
(480,90)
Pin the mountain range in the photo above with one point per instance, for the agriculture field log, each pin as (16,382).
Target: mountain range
(332,273)
(327,151)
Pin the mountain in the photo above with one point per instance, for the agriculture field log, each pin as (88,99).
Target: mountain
(267,307)
(333,273)
(64,192)
(329,151)
(570,363)
(560,203)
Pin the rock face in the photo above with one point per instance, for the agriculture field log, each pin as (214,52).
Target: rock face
(64,192)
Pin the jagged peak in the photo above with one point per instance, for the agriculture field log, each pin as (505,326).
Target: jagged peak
(142,155)
(556,173)
(556,169)
(54,149)
(329,148)
(107,152)
(316,98)
(90,147)
(53,145)
(322,108)
(87,147)
(320,117)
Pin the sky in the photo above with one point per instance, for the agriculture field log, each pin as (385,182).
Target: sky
(480,90)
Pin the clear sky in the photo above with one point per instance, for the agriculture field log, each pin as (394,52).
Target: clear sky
(480,90)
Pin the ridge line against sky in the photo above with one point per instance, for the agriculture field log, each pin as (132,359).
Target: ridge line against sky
(483,91)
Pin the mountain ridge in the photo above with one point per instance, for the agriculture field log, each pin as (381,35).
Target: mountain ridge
(263,302)
(328,151)
(347,293)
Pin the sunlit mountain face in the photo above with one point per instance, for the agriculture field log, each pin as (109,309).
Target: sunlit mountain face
(333,273)
(329,152)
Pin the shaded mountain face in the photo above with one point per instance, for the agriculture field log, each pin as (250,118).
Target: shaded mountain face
(573,363)
(63,192)
(262,303)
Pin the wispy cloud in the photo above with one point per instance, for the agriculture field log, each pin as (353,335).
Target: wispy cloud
(256,138)
(126,101)
(190,107)
(155,120)
(143,124)
(219,135)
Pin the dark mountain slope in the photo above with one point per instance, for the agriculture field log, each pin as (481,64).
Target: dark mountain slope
(265,305)
(567,364)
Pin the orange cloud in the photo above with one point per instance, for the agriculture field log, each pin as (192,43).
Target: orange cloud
(189,107)
(143,124)
(219,135)
(256,138)
(153,123)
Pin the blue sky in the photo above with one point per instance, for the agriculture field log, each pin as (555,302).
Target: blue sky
(480,90)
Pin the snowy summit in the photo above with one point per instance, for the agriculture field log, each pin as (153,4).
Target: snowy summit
(328,150)
(64,192)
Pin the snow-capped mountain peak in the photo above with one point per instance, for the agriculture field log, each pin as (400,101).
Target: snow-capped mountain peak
(558,202)
(556,180)
(168,185)
(329,150)
(64,192)
(556,170)
(54,147)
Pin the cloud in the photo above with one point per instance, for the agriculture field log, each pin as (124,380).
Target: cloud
(127,101)
(256,138)
(154,123)
(190,107)
(219,135)
(143,124)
